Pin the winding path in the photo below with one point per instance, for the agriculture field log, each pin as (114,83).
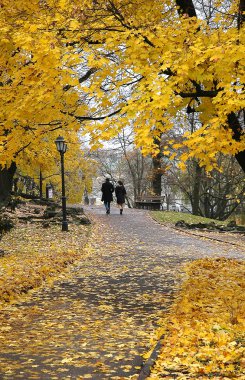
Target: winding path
(98,323)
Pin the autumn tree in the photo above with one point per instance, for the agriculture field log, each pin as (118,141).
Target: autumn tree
(123,161)
(150,68)
(215,194)
(35,91)
(141,170)
(95,66)
(220,192)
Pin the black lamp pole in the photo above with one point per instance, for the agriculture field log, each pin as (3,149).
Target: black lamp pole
(41,184)
(61,147)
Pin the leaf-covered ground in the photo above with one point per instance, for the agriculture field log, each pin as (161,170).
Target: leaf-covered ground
(97,320)
(204,335)
(34,255)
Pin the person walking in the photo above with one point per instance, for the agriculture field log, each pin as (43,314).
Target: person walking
(107,190)
(120,192)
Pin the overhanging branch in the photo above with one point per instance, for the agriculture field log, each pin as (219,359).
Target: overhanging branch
(82,79)
(81,118)
(186,7)
(199,94)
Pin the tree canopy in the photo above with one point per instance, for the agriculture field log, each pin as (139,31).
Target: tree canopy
(97,66)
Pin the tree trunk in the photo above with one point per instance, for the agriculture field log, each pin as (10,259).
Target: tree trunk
(167,200)
(40,184)
(241,15)
(206,206)
(157,175)
(196,190)
(187,7)
(235,126)
(6,182)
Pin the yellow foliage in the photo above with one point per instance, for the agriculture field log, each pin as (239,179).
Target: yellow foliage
(204,333)
(142,65)
(35,257)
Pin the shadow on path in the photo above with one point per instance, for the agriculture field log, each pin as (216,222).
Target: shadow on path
(98,323)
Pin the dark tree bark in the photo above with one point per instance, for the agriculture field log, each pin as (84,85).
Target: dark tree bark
(157,175)
(241,15)
(240,157)
(6,182)
(40,184)
(236,127)
(157,171)
(196,190)
(187,7)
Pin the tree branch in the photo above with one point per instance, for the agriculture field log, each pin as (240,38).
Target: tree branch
(238,132)
(95,118)
(186,7)
(241,13)
(82,79)
(199,94)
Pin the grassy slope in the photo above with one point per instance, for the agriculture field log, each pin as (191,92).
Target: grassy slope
(172,217)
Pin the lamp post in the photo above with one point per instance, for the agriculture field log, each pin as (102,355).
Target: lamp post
(61,147)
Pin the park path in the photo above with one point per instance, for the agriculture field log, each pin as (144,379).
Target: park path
(98,323)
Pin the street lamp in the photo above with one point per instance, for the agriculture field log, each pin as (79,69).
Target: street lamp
(61,147)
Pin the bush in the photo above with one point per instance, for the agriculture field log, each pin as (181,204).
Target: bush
(6,223)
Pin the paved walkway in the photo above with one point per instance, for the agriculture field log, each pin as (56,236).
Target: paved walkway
(98,324)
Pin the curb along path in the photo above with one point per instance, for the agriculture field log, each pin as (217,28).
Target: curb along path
(98,324)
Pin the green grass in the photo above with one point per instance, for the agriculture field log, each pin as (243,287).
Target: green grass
(172,217)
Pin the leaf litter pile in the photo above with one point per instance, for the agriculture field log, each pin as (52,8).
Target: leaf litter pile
(34,255)
(204,335)
(97,320)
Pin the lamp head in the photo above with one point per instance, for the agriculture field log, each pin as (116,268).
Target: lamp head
(60,144)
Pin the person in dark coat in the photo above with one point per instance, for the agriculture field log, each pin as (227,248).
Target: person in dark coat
(107,190)
(120,192)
